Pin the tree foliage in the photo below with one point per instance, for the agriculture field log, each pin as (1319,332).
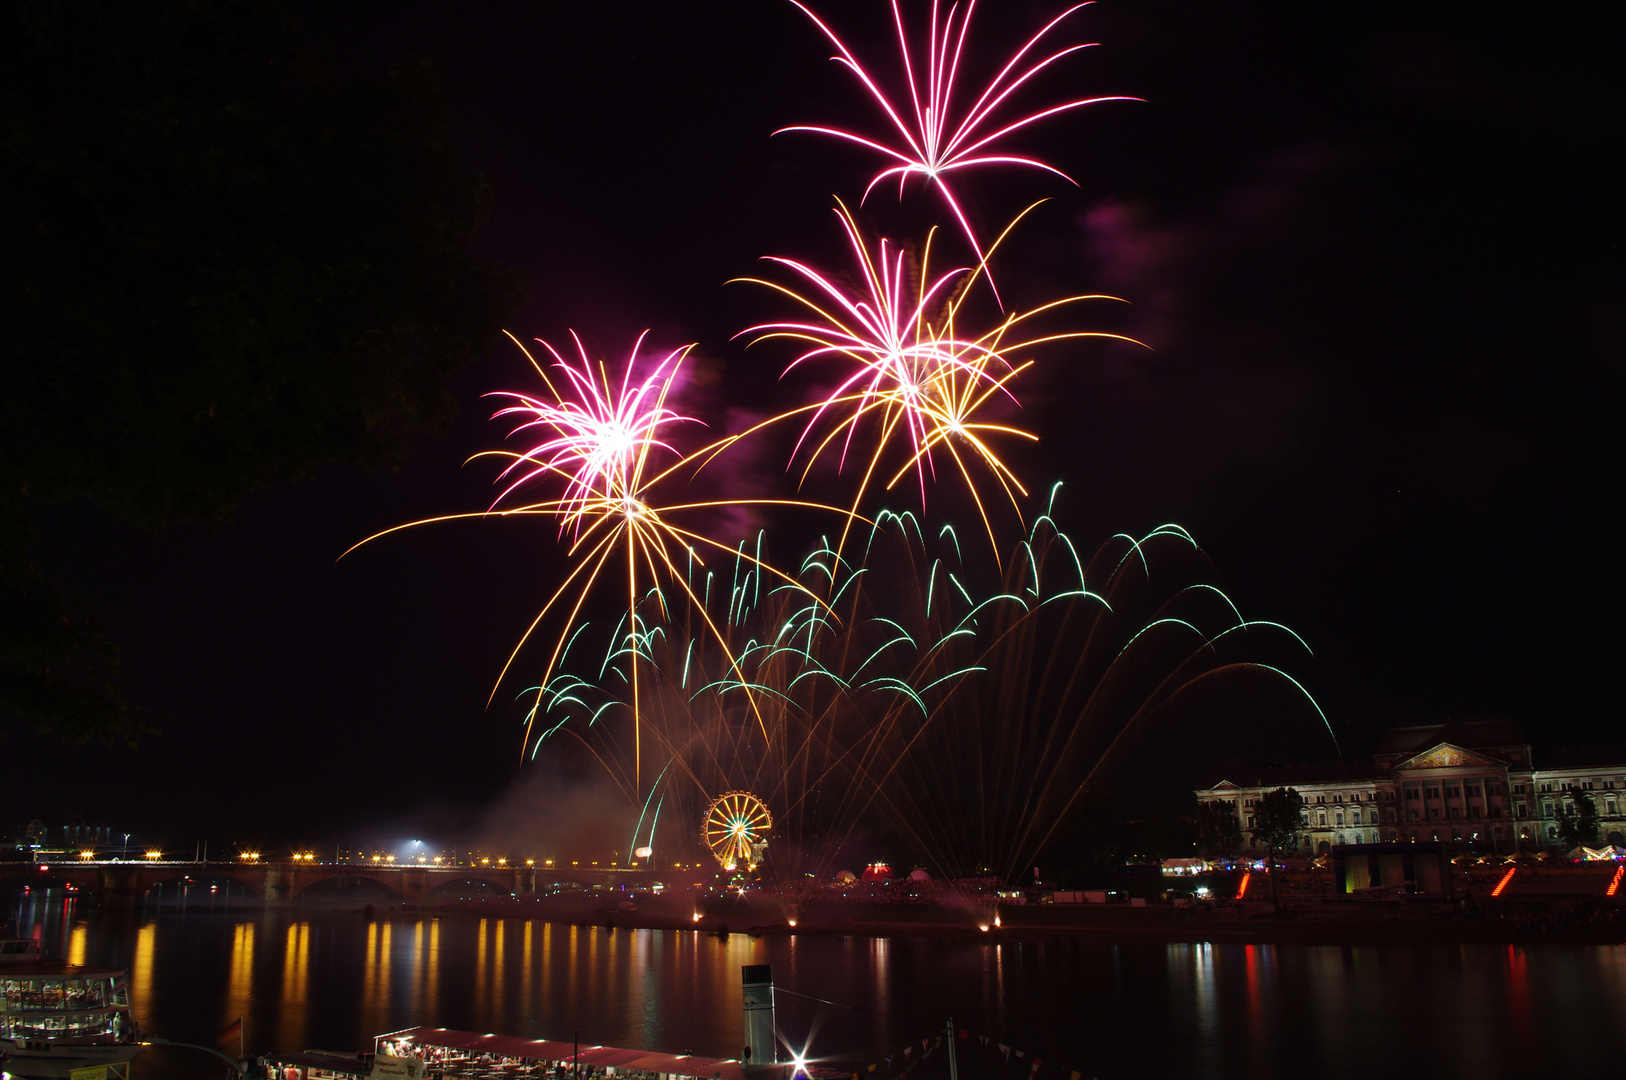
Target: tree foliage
(1219,832)
(223,270)
(1278,820)
(1578,822)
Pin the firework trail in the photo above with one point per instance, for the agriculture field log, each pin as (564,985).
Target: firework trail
(933,133)
(959,720)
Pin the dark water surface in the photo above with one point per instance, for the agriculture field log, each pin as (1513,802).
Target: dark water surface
(332,981)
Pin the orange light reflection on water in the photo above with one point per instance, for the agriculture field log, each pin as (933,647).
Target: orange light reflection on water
(240,976)
(295,982)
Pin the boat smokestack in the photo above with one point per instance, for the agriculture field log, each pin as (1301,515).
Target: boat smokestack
(761,1046)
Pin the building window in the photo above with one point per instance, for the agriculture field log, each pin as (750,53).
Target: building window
(1412,793)
(1547,809)
(1432,793)
(1496,812)
(1453,792)
(1250,821)
(1455,813)
(1320,798)
(1433,813)
(1389,796)
(1411,815)
(1321,819)
(1473,790)
(1339,819)
(1474,812)
(1389,814)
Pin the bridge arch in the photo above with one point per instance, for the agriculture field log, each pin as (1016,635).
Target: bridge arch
(383,886)
(459,887)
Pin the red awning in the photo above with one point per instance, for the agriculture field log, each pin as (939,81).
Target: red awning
(474,1042)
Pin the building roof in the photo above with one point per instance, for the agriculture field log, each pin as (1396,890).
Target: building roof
(1244,773)
(476,1042)
(1468,734)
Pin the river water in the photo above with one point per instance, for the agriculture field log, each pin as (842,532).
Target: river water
(332,981)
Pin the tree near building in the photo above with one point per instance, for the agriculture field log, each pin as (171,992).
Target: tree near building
(1278,820)
(1578,822)
(1219,833)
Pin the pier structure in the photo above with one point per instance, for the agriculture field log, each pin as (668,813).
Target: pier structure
(280,883)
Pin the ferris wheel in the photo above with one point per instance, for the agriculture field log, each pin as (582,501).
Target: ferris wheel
(735,829)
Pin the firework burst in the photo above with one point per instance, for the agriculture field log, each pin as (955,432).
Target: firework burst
(934,133)
(605,441)
(910,373)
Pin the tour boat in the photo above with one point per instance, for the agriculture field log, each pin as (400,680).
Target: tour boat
(57,1017)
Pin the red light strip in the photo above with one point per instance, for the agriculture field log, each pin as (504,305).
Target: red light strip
(1243,891)
(1500,885)
(1615,884)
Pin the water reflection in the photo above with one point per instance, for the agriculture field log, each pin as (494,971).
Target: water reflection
(1219,1010)
(295,983)
(240,977)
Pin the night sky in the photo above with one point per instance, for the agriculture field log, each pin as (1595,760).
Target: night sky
(1374,250)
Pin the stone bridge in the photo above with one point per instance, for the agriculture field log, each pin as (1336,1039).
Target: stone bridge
(123,884)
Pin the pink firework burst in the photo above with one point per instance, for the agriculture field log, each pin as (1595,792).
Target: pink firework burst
(899,358)
(936,134)
(599,437)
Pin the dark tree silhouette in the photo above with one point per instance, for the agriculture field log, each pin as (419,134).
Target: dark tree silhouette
(1278,820)
(1578,823)
(1219,832)
(222,271)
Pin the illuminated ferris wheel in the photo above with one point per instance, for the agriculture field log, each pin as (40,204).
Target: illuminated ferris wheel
(735,829)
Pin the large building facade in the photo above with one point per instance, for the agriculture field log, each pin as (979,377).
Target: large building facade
(1468,783)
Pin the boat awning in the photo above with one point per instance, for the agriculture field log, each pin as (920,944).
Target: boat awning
(349,1065)
(475,1042)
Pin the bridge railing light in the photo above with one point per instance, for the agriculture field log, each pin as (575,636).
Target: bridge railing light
(155,855)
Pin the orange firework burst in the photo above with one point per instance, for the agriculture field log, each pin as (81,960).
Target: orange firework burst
(911,373)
